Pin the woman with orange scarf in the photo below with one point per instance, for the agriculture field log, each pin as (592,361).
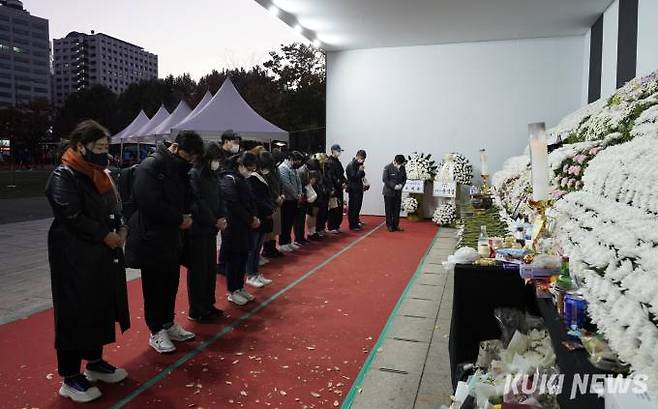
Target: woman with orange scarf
(85,252)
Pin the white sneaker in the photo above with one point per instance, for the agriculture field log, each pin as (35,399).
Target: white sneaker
(263,280)
(336,231)
(104,372)
(80,391)
(263,261)
(246,295)
(236,297)
(296,245)
(321,233)
(255,282)
(177,333)
(161,342)
(286,248)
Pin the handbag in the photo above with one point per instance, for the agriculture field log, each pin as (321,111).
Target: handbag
(311,194)
(333,202)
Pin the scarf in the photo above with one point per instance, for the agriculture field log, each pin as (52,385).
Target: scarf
(97,174)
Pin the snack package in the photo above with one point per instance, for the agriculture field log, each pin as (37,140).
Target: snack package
(600,354)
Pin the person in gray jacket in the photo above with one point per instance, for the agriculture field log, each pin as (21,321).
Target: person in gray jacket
(291,186)
(394,178)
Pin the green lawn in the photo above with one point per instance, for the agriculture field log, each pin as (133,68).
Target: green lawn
(29,183)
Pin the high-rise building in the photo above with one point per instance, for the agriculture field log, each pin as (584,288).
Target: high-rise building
(83,60)
(24,55)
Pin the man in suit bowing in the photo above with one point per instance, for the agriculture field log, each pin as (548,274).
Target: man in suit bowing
(394,178)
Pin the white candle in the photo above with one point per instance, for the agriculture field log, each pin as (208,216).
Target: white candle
(483,162)
(539,160)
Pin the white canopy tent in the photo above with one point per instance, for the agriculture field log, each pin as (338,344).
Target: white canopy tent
(140,120)
(142,134)
(180,113)
(199,107)
(228,110)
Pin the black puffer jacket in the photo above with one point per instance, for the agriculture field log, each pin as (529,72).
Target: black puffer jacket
(162,197)
(88,286)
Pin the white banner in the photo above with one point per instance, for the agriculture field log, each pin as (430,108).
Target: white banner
(414,186)
(444,188)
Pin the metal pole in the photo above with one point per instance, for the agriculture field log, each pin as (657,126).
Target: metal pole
(121,157)
(12,169)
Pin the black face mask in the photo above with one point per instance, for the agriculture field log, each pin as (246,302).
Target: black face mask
(100,159)
(182,164)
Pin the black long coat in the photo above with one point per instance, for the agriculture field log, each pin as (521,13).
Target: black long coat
(88,286)
(241,209)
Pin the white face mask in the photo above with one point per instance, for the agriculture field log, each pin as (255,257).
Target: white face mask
(336,154)
(214,165)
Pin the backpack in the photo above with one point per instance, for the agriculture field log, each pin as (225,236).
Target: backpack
(125,186)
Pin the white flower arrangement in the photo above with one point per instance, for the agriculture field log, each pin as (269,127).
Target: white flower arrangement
(606,218)
(420,166)
(445,214)
(459,166)
(410,205)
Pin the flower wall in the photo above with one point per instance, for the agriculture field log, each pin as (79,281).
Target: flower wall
(604,180)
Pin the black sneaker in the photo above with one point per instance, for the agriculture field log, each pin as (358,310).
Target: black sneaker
(315,237)
(218,313)
(209,318)
(104,372)
(78,389)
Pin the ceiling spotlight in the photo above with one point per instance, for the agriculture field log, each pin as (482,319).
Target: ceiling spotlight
(298,28)
(316,43)
(274,10)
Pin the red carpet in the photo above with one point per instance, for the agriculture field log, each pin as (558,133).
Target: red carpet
(302,349)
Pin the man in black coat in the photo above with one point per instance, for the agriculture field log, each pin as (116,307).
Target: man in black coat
(162,200)
(336,175)
(356,174)
(394,178)
(229,148)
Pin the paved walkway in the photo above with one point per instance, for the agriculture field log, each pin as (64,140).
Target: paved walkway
(24,209)
(412,367)
(24,271)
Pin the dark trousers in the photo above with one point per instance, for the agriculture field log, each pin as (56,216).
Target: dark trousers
(336,216)
(235,269)
(288,214)
(323,213)
(202,274)
(253,257)
(354,208)
(68,362)
(159,287)
(392,205)
(300,223)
